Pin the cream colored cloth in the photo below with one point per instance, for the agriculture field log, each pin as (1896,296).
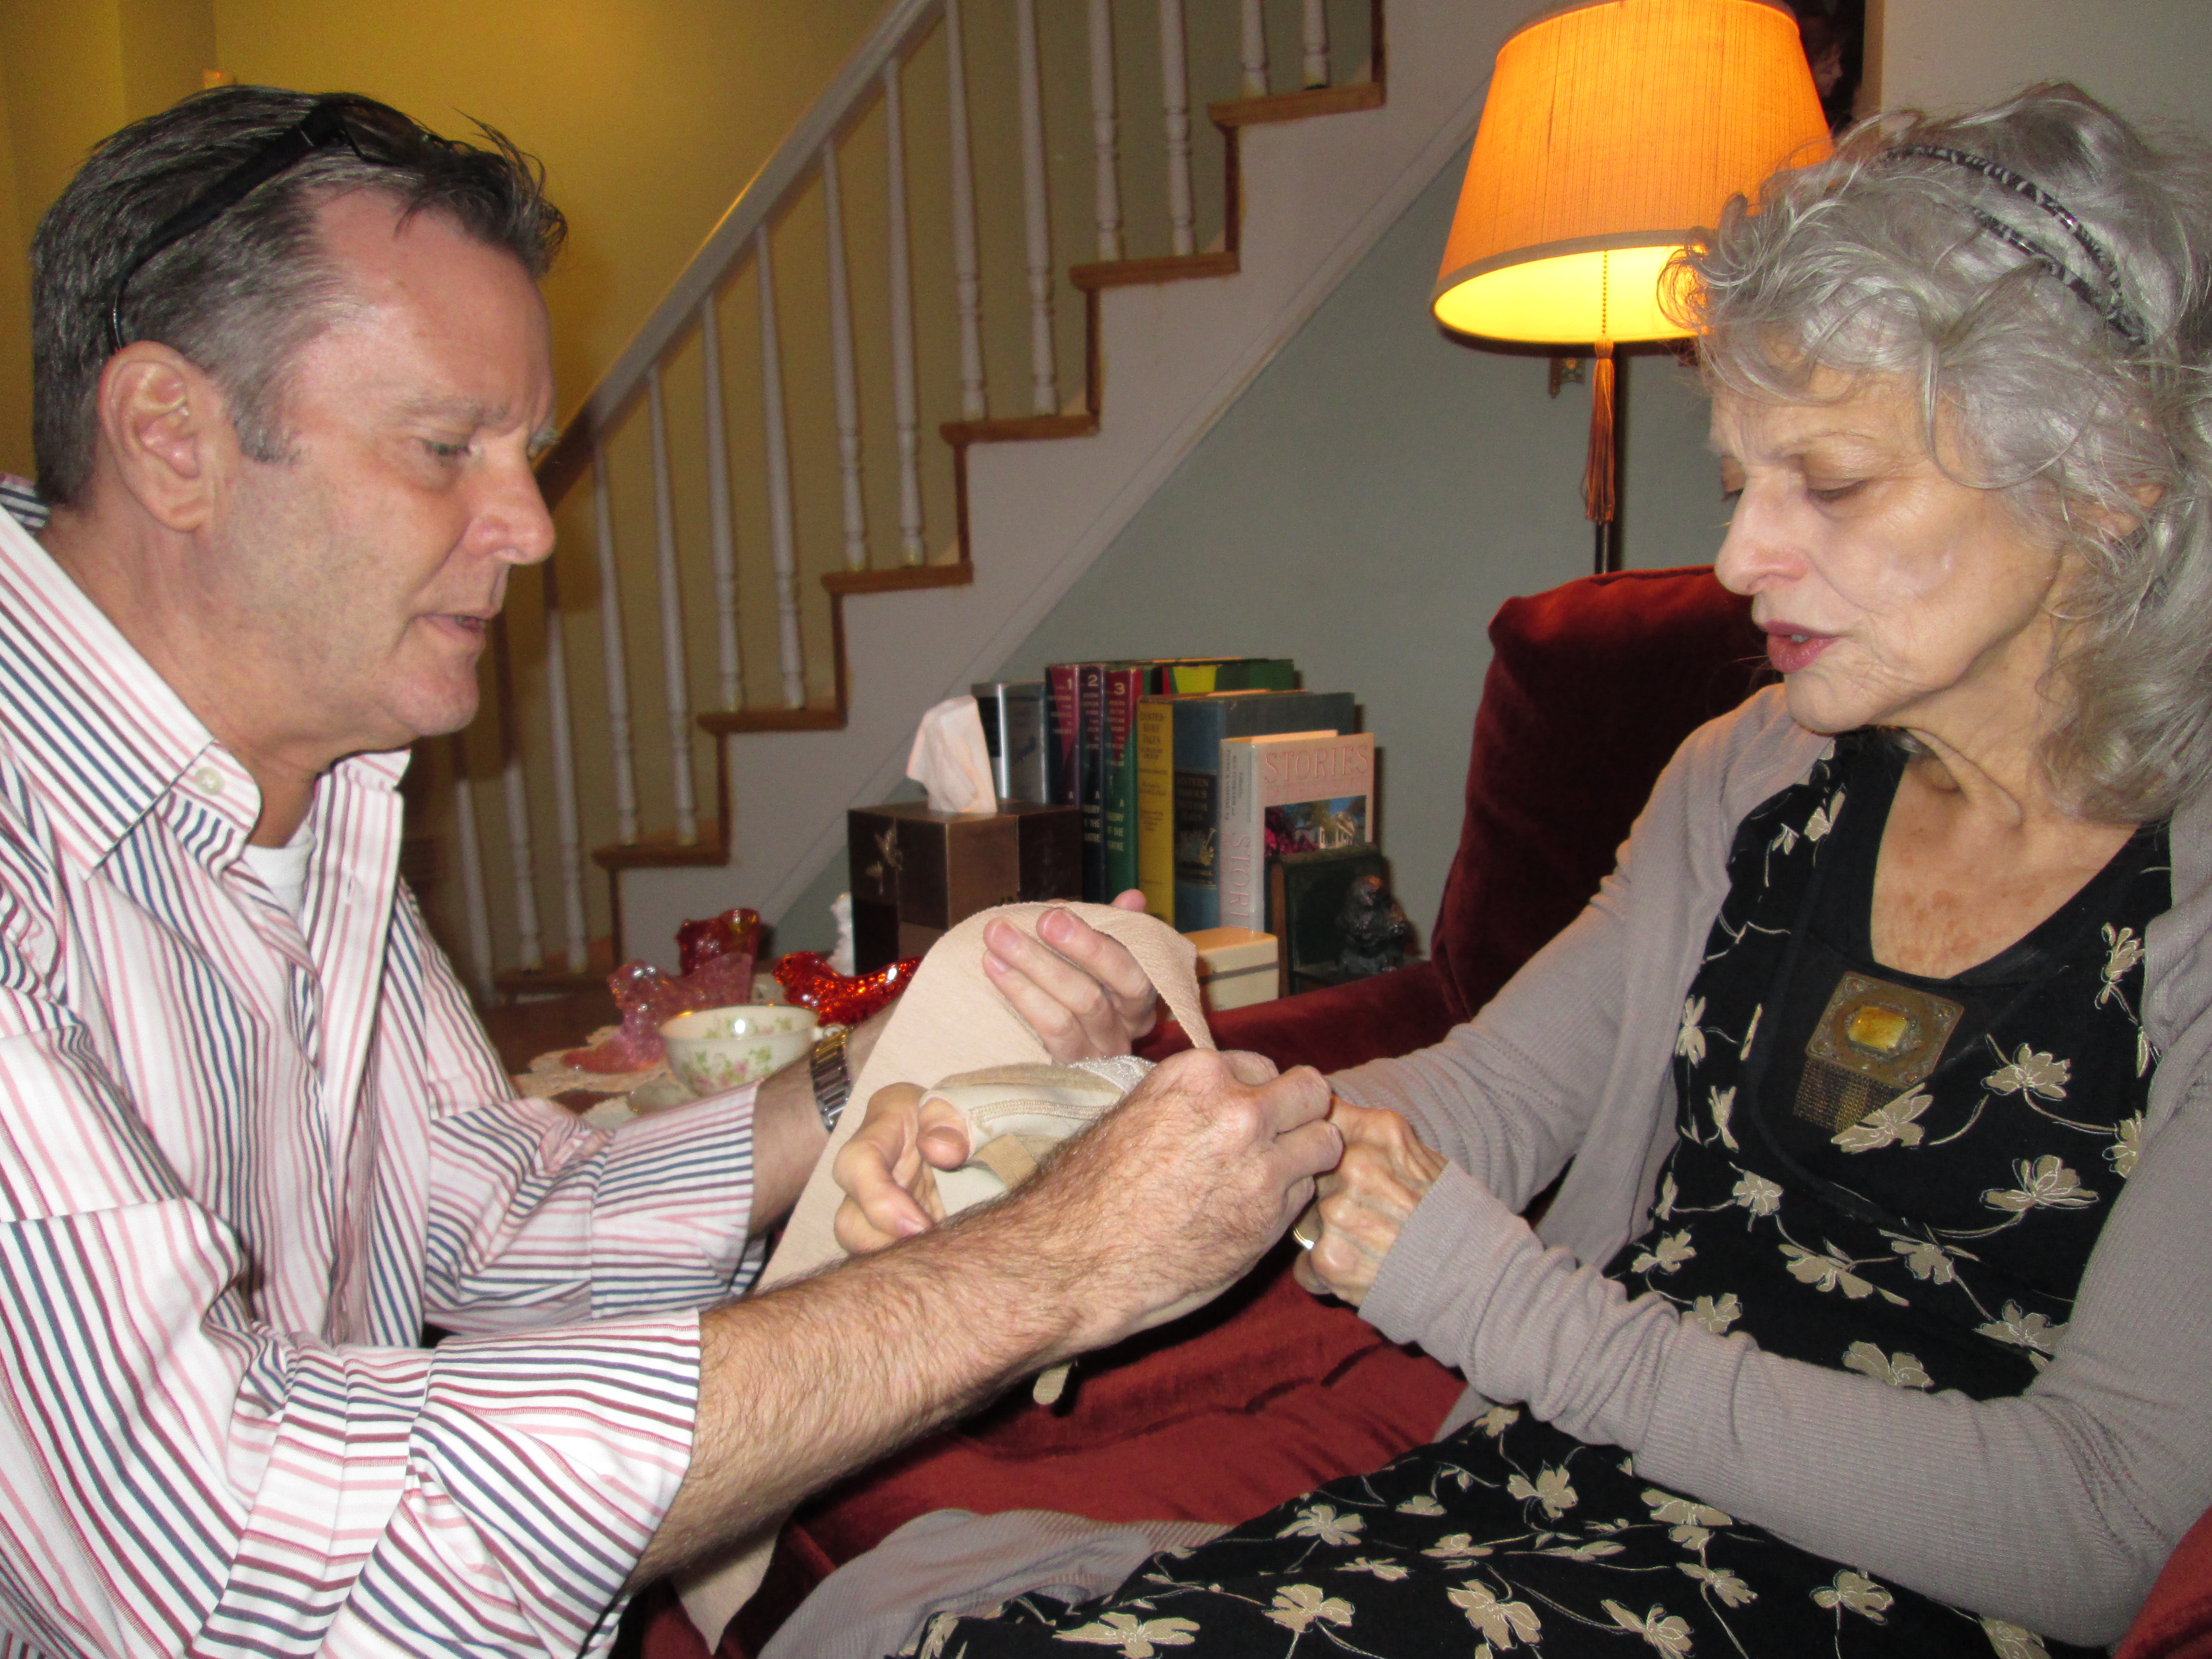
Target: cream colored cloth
(951,1019)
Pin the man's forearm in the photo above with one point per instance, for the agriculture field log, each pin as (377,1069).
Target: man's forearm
(800,1385)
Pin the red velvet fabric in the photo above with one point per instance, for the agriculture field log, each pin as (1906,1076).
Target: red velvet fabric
(1591,687)
(1269,1392)
(2176,1622)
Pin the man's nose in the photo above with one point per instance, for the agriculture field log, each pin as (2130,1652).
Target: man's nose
(513,523)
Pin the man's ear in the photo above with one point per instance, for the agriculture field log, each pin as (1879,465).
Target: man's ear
(167,430)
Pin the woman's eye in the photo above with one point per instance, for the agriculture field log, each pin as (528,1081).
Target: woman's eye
(1830,494)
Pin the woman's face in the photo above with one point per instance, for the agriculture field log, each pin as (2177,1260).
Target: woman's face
(1891,594)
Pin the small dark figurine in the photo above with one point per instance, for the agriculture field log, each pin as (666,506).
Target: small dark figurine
(1374,928)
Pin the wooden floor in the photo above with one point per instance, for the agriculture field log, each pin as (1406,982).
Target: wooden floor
(523,1030)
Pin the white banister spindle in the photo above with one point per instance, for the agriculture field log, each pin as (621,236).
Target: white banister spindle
(721,531)
(905,413)
(1255,53)
(782,541)
(1104,146)
(620,744)
(966,279)
(1175,94)
(1044,375)
(566,816)
(475,909)
(529,939)
(840,367)
(675,673)
(1316,31)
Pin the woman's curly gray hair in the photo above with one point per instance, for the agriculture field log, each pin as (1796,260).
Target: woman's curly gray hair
(1882,259)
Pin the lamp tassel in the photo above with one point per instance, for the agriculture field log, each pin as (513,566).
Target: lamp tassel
(1597,471)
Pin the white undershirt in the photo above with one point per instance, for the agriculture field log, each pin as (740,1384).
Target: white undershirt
(283,869)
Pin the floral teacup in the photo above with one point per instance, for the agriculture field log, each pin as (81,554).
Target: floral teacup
(719,1048)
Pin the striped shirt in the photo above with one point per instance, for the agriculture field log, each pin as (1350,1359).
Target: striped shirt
(244,1157)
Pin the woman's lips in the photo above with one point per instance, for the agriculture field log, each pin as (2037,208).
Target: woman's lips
(1789,647)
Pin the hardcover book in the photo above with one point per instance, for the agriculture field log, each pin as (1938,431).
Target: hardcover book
(1185,771)
(1303,792)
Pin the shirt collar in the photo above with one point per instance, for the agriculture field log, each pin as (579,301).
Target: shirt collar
(102,735)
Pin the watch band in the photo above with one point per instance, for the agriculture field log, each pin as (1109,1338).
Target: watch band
(833,1082)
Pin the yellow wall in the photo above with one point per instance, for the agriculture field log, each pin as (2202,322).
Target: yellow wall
(649,117)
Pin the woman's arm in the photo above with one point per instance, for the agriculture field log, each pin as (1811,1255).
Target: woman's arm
(2054,1509)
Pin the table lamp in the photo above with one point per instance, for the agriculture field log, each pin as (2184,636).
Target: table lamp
(1612,129)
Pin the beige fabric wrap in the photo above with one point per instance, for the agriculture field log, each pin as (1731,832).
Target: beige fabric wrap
(951,1019)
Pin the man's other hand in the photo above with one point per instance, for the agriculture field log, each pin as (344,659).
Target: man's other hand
(1081,992)
(888,1169)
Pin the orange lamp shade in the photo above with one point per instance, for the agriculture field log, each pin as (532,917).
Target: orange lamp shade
(1612,129)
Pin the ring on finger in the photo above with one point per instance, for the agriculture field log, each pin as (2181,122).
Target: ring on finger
(1307,1228)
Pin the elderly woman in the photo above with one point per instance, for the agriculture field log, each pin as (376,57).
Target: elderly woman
(1875,1313)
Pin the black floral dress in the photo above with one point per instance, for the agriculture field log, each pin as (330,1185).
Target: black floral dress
(1894,1176)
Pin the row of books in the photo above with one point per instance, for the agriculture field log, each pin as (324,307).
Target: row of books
(1188,772)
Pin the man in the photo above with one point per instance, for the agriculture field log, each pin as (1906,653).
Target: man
(290,371)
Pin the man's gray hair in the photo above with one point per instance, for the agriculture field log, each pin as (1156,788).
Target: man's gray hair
(1915,251)
(241,295)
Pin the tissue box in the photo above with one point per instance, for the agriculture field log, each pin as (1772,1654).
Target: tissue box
(915,872)
(1236,968)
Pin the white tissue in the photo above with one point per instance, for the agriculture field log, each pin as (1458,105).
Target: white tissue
(951,761)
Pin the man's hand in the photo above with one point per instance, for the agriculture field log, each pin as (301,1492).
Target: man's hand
(887,1169)
(1153,1210)
(1366,1200)
(1081,992)
(1175,1193)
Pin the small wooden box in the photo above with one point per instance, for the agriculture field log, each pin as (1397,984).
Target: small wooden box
(1237,967)
(915,872)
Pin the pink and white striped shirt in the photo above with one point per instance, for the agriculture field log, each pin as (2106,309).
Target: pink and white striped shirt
(244,1159)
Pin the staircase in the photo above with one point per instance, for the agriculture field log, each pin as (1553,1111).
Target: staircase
(766,569)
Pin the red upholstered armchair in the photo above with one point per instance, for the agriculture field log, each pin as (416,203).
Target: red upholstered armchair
(1269,1392)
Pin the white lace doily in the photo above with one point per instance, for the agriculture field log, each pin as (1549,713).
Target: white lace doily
(550,1075)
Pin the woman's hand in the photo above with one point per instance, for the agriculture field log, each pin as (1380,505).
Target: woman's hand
(1384,1173)
(1081,992)
(889,1168)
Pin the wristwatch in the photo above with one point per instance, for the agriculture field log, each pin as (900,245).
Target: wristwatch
(833,1082)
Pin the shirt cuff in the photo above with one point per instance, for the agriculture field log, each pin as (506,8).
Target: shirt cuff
(673,1207)
(563,1449)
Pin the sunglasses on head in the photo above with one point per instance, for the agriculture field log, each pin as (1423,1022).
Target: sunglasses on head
(324,125)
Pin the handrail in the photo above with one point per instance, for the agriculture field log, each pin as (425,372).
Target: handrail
(765,193)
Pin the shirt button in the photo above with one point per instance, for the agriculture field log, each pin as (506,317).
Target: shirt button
(207,780)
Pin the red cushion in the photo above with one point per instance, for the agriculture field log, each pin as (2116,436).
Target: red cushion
(1591,687)
(2176,1622)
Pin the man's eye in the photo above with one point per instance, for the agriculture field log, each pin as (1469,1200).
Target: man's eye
(445,452)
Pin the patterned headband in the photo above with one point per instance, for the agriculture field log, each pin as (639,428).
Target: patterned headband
(2115,310)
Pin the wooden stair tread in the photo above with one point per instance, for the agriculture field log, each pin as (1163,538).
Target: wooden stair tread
(1297,105)
(658,849)
(1018,428)
(813,718)
(1167,268)
(901,578)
